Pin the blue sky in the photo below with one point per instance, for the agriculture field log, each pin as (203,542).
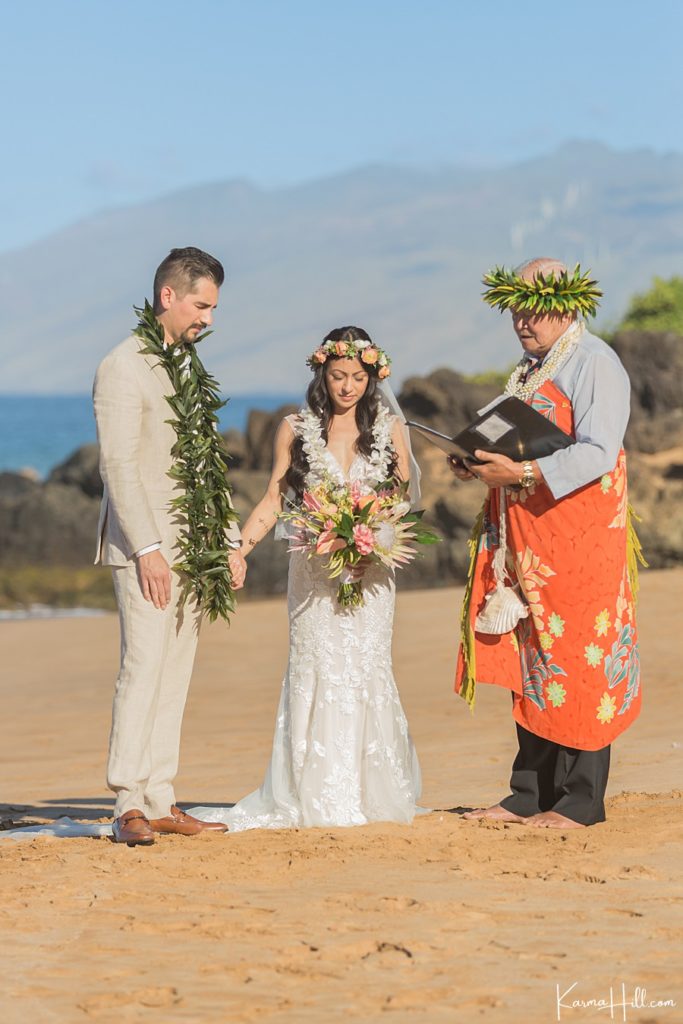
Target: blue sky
(105,104)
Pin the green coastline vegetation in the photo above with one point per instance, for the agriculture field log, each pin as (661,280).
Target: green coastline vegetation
(56,586)
(658,310)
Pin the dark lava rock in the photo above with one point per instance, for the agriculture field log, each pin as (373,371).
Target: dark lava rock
(236,447)
(261,427)
(13,485)
(52,524)
(444,400)
(80,470)
(654,363)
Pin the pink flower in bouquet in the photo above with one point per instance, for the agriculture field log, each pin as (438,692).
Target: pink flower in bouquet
(383,372)
(370,355)
(320,355)
(341,348)
(309,501)
(364,539)
(328,541)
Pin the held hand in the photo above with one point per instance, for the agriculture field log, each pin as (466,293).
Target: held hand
(459,468)
(498,470)
(155,579)
(238,568)
(358,570)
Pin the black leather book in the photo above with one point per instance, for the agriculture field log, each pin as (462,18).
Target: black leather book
(510,427)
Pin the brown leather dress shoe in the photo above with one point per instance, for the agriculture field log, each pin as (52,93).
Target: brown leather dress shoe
(182,824)
(133,828)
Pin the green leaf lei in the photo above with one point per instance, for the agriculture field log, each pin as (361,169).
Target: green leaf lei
(554,293)
(204,506)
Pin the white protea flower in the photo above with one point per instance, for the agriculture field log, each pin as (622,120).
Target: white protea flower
(402,509)
(386,536)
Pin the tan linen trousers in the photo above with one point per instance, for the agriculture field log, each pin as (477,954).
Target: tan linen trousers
(157,655)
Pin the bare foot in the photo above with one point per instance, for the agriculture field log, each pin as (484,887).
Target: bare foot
(551,819)
(495,813)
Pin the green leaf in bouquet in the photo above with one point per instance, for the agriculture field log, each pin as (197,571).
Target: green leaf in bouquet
(345,526)
(336,564)
(428,537)
(364,513)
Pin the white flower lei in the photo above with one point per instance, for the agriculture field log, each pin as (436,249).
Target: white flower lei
(558,355)
(315,448)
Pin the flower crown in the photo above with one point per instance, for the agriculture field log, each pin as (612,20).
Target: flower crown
(552,293)
(366,351)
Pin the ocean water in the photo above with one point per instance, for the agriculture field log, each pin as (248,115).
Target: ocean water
(40,431)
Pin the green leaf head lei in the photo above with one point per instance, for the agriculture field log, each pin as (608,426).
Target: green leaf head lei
(563,292)
(203,506)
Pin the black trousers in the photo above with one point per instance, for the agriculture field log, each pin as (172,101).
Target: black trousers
(549,777)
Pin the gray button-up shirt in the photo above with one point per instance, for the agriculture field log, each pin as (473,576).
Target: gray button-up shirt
(596,383)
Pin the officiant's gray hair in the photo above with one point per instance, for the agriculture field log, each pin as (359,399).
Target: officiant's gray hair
(182,268)
(541,264)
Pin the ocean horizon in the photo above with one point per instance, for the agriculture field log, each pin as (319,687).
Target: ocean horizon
(38,432)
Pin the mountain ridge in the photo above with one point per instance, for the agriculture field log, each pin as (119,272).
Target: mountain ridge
(399,250)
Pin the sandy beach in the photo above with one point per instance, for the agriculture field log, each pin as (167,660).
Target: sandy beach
(444,920)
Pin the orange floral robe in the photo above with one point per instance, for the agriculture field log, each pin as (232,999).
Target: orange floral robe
(573,664)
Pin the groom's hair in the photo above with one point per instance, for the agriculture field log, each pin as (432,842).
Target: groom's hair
(182,268)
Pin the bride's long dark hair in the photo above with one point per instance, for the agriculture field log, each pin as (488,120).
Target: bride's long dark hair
(319,401)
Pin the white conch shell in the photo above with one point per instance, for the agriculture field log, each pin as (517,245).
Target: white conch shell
(502,611)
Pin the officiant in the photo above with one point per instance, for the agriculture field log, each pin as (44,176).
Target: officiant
(549,604)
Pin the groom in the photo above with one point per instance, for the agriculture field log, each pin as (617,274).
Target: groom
(137,533)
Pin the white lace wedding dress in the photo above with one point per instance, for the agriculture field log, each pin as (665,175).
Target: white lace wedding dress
(342,753)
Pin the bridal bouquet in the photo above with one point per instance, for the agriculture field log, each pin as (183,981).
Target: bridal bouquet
(356,528)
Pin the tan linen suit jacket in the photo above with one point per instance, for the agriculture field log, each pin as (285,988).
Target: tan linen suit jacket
(129,397)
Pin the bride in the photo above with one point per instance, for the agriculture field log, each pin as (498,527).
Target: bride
(342,753)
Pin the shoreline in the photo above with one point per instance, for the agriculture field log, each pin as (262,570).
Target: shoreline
(39,432)
(44,612)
